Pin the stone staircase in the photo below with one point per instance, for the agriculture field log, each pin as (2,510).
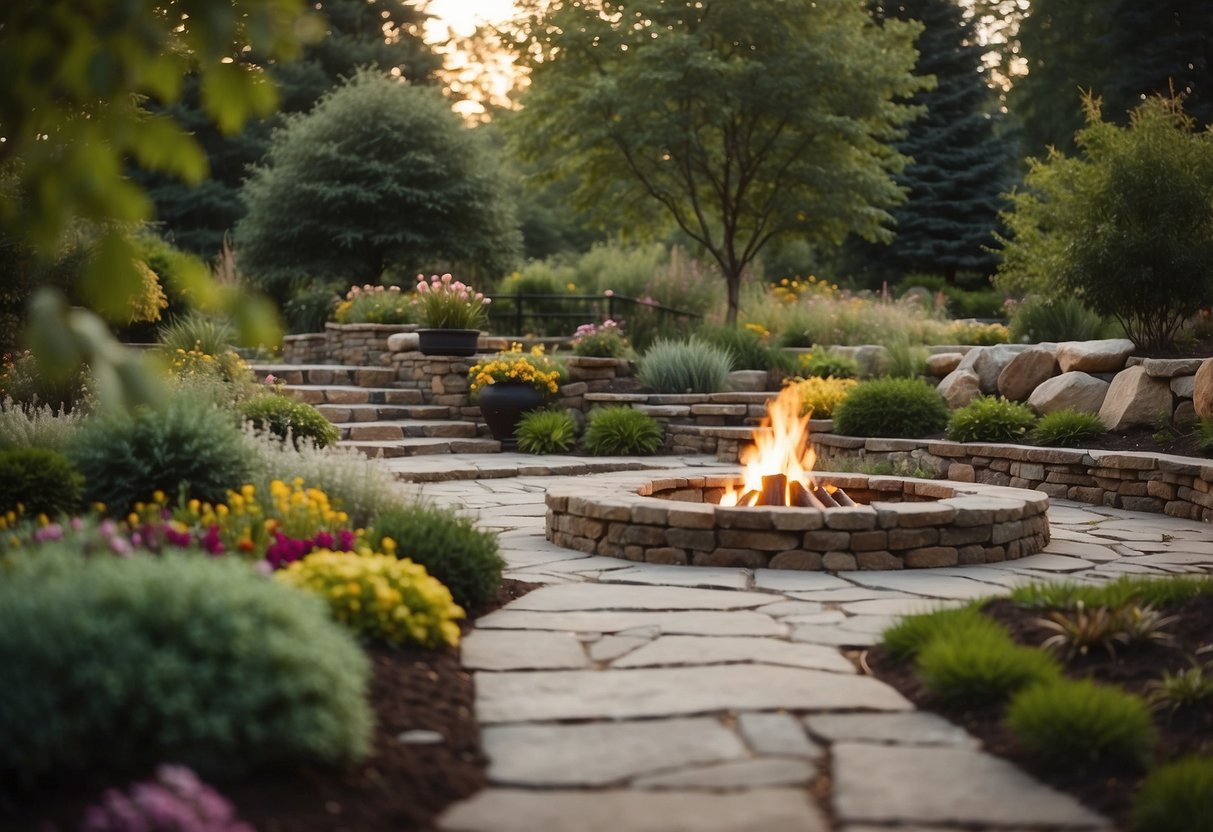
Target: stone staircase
(375,415)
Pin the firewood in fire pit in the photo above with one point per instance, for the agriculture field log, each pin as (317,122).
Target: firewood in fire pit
(773,488)
(803,497)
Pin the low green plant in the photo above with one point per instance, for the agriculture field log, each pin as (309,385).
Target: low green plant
(1162,593)
(981,666)
(1075,633)
(906,638)
(991,419)
(821,363)
(604,340)
(897,407)
(285,418)
(1177,797)
(1036,319)
(38,480)
(125,662)
(749,350)
(622,431)
(1067,722)
(977,334)
(692,366)
(1204,436)
(1067,428)
(450,547)
(195,331)
(27,385)
(546,432)
(37,426)
(1190,686)
(904,360)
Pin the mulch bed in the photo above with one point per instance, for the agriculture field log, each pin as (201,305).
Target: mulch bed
(1105,788)
(399,787)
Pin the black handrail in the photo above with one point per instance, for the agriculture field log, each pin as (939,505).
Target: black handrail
(587,308)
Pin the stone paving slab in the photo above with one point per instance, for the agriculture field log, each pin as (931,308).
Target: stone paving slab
(504,650)
(898,606)
(699,650)
(955,585)
(697,622)
(585,597)
(785,580)
(917,728)
(832,634)
(743,774)
(700,576)
(777,735)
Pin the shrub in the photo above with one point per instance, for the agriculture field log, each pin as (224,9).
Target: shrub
(285,417)
(749,349)
(1204,436)
(692,366)
(1192,686)
(991,419)
(446,303)
(540,315)
(977,334)
(380,596)
(375,305)
(907,638)
(604,340)
(1177,797)
(822,363)
(195,331)
(182,446)
(622,431)
(28,385)
(1070,722)
(904,360)
(42,481)
(1037,319)
(981,666)
(820,396)
(546,432)
(126,662)
(450,547)
(175,800)
(37,426)
(1067,428)
(899,407)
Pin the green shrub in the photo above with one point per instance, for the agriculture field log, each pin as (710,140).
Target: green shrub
(991,419)
(981,666)
(371,304)
(899,407)
(904,360)
(285,417)
(546,432)
(1192,686)
(183,445)
(195,331)
(622,431)
(977,334)
(40,480)
(309,307)
(692,366)
(1067,428)
(28,385)
(127,662)
(1068,722)
(907,638)
(822,363)
(748,349)
(1036,319)
(1204,436)
(37,426)
(604,340)
(1177,797)
(450,547)
(820,396)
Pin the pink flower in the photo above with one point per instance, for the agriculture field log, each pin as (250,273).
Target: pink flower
(270,378)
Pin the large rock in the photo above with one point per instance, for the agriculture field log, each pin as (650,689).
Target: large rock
(1135,399)
(988,363)
(1077,391)
(403,342)
(940,364)
(1108,355)
(1202,390)
(1026,372)
(1171,367)
(960,387)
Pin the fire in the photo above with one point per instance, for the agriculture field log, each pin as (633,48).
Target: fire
(781,446)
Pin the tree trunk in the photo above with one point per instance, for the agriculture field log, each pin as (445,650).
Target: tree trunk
(949,274)
(733,278)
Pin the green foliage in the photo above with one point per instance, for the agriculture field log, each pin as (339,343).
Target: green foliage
(1067,723)
(450,547)
(546,432)
(1067,428)
(905,360)
(26,382)
(196,331)
(127,662)
(692,366)
(40,480)
(1039,318)
(981,667)
(1126,226)
(37,427)
(184,445)
(892,407)
(907,638)
(1177,797)
(825,364)
(981,335)
(1075,633)
(1122,592)
(542,316)
(375,305)
(285,418)
(991,419)
(309,307)
(1204,436)
(820,396)
(605,340)
(1192,686)
(749,350)
(622,431)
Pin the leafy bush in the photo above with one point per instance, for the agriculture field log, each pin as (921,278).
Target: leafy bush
(692,366)
(309,307)
(370,304)
(1177,797)
(604,340)
(546,432)
(977,334)
(1036,319)
(981,666)
(820,396)
(126,662)
(821,363)
(37,426)
(899,407)
(450,547)
(195,331)
(622,431)
(1067,428)
(27,385)
(41,480)
(181,446)
(175,800)
(1070,722)
(285,417)
(907,638)
(749,350)
(380,596)
(991,419)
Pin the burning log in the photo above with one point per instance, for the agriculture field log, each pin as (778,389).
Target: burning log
(825,497)
(842,498)
(774,486)
(803,497)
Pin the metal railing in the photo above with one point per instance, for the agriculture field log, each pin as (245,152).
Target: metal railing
(558,314)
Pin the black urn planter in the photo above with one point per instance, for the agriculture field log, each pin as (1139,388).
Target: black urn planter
(448,341)
(503,404)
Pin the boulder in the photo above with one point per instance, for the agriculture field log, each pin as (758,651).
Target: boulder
(872,358)
(1135,399)
(988,363)
(403,342)
(1185,414)
(941,364)
(959,388)
(748,381)
(1202,390)
(1077,391)
(1025,372)
(1182,386)
(1171,367)
(1108,355)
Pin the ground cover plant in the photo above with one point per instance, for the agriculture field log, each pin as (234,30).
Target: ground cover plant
(621,431)
(991,419)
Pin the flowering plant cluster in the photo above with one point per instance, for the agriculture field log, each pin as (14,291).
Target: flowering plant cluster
(819,396)
(446,303)
(175,801)
(370,304)
(792,290)
(535,368)
(604,340)
(194,363)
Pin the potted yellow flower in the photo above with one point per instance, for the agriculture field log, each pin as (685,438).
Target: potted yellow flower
(451,314)
(509,384)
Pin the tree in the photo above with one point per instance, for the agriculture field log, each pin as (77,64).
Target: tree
(1127,226)
(740,122)
(380,177)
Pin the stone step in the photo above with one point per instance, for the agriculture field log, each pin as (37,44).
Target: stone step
(349,394)
(342,374)
(422,446)
(345,413)
(405,429)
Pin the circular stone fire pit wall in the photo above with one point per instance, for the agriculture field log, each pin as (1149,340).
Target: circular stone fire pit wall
(899,523)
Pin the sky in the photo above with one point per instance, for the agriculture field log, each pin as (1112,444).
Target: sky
(464,15)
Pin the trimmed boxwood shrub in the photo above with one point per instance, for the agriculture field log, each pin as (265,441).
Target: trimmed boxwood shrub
(42,481)
(980,667)
(897,407)
(622,431)
(991,419)
(284,416)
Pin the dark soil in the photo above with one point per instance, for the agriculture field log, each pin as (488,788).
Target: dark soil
(1105,788)
(400,786)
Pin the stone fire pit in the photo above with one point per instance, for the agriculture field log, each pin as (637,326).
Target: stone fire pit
(672,518)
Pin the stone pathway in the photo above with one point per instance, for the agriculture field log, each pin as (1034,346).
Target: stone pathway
(624,696)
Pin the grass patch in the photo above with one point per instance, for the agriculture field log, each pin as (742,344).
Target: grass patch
(982,666)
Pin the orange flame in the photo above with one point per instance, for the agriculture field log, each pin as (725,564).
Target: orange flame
(781,446)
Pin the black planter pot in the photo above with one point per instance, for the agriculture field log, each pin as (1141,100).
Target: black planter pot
(503,405)
(448,341)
